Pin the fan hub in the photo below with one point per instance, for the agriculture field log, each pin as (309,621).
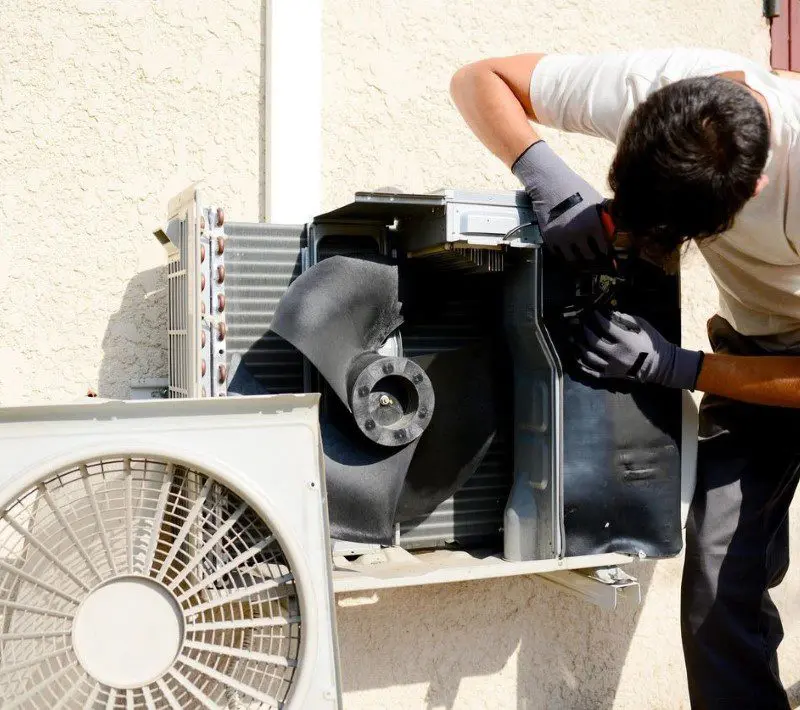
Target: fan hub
(128,631)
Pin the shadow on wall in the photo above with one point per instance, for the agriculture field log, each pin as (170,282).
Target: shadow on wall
(570,652)
(794,695)
(135,341)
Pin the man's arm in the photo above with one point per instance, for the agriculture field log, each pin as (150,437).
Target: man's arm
(493,96)
(619,345)
(772,380)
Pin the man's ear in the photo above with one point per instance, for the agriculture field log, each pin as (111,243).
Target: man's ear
(763,181)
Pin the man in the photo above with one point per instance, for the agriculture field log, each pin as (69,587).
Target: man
(708,150)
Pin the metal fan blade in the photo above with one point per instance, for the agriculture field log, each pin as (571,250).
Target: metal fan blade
(461,430)
(363,481)
(338,313)
(337,310)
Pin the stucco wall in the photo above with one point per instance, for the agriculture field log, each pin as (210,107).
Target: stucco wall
(109,107)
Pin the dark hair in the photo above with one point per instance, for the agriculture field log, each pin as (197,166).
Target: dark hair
(689,159)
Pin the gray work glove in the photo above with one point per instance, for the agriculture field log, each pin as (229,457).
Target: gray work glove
(566,206)
(628,347)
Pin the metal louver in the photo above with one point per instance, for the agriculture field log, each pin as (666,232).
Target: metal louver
(133,579)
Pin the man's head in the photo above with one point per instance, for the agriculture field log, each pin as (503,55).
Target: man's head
(690,157)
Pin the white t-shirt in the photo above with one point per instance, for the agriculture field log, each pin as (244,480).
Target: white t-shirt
(756,265)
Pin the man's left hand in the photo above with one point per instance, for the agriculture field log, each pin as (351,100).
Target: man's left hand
(628,347)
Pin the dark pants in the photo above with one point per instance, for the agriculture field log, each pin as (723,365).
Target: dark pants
(737,546)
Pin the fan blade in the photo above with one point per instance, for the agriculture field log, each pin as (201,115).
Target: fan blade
(363,481)
(461,430)
(338,313)
(337,310)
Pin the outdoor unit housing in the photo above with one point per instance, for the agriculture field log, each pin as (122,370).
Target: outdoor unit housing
(529,505)
(153,559)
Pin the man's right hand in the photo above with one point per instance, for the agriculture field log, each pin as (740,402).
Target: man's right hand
(566,206)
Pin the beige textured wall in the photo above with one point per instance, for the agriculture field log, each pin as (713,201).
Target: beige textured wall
(109,107)
(106,108)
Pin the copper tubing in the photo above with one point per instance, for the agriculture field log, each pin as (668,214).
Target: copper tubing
(222,331)
(220,216)
(202,339)
(202,253)
(202,368)
(221,302)
(223,374)
(202,282)
(220,245)
(220,274)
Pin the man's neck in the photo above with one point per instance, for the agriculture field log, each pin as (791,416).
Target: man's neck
(740,78)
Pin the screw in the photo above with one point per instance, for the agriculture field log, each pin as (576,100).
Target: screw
(400,435)
(388,368)
(385,400)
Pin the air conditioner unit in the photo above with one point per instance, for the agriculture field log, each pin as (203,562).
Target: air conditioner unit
(573,475)
(152,557)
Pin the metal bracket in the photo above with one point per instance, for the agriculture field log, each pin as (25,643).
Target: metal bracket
(607,587)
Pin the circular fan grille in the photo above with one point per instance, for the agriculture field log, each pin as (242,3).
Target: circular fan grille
(195,569)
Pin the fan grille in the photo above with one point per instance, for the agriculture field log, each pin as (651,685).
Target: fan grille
(118,517)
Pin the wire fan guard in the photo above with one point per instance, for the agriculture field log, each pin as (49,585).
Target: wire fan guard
(102,561)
